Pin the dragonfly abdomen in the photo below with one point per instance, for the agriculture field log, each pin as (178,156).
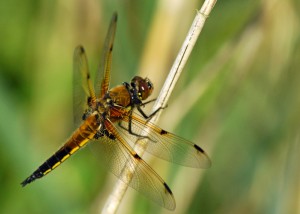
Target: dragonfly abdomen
(78,139)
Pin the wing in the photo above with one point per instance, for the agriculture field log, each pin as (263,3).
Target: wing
(123,162)
(82,84)
(165,145)
(102,83)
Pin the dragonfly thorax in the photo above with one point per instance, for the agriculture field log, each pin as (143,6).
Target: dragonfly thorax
(132,94)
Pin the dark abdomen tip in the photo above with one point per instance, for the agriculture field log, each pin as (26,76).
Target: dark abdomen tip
(32,177)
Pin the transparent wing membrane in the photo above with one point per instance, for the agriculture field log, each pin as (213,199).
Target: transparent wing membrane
(116,154)
(82,84)
(165,145)
(102,82)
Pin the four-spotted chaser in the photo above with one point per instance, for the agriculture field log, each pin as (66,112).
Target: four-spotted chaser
(106,119)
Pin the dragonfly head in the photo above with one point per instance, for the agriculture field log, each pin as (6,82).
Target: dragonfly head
(143,86)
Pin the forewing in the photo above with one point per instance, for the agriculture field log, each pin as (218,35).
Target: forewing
(102,82)
(166,145)
(119,158)
(82,84)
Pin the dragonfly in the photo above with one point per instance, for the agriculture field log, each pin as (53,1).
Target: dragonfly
(112,120)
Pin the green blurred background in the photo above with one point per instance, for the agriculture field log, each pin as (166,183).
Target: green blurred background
(240,90)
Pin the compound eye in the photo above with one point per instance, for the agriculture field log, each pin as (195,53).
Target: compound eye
(150,86)
(146,88)
(143,86)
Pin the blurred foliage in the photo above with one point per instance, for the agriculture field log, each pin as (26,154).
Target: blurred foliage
(240,90)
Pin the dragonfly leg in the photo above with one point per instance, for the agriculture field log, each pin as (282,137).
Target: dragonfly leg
(130,131)
(146,103)
(148,117)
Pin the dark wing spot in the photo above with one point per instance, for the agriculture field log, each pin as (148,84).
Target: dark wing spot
(112,137)
(115,17)
(89,99)
(198,148)
(81,49)
(137,156)
(168,188)
(108,134)
(163,132)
